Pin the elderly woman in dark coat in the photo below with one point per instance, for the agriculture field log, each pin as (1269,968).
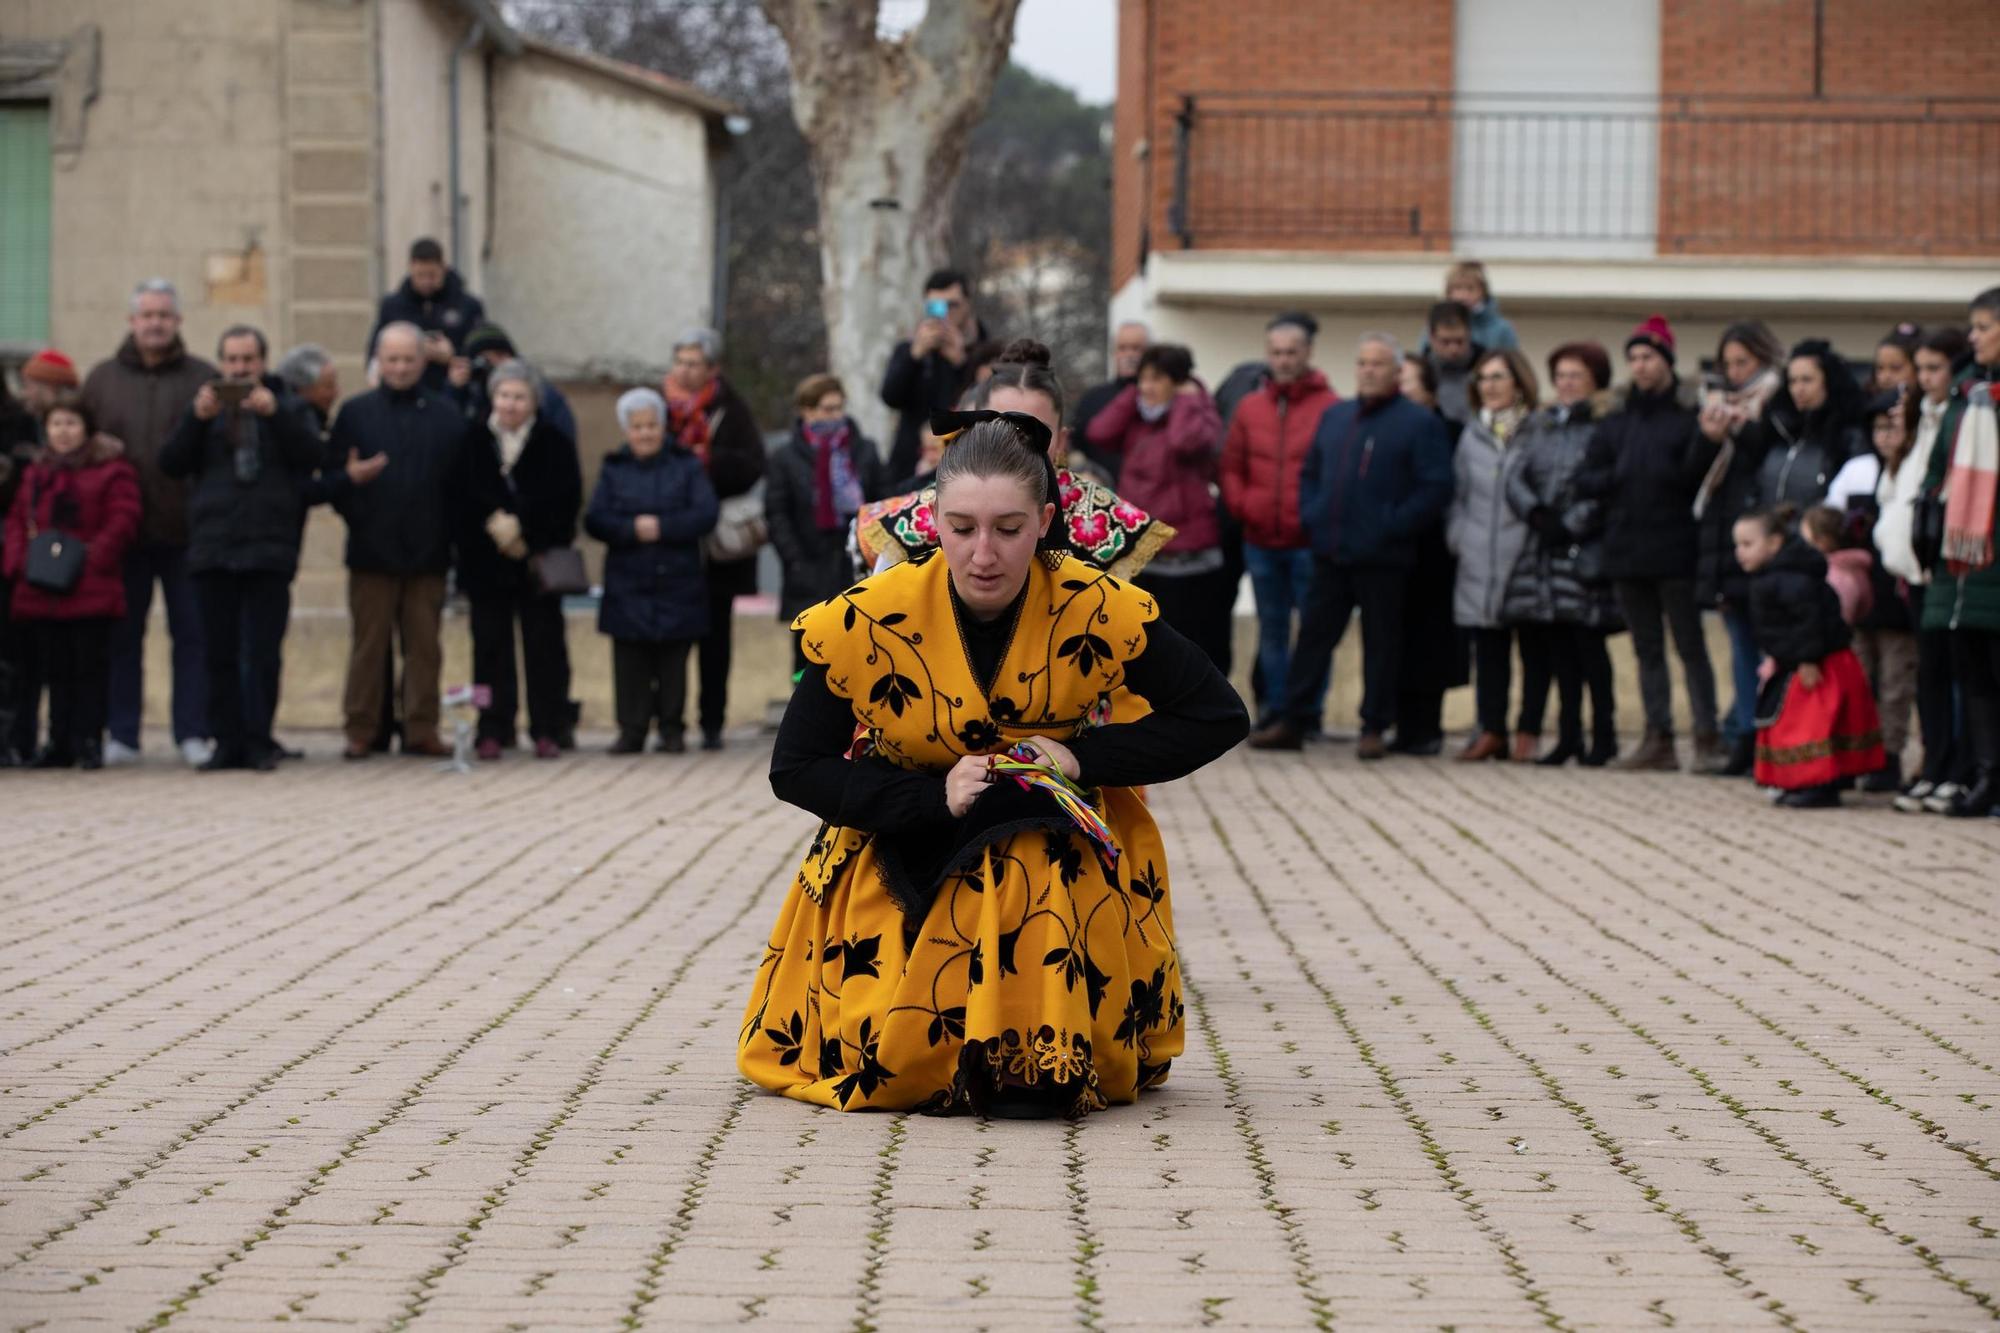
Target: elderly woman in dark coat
(652,507)
(525,489)
(1556,595)
(817,484)
(710,420)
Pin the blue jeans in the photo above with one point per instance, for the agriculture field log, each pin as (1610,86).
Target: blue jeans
(1282,582)
(167,565)
(1740,722)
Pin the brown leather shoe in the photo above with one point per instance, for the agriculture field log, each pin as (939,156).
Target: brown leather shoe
(432,748)
(358,750)
(1486,745)
(1371,746)
(1525,745)
(1711,756)
(1654,755)
(1280,735)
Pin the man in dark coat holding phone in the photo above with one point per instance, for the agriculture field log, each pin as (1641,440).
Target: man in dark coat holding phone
(246,447)
(930,369)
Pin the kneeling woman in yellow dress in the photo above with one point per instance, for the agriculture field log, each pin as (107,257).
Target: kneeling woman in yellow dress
(982,922)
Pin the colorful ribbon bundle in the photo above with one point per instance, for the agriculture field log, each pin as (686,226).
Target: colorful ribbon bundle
(1021,764)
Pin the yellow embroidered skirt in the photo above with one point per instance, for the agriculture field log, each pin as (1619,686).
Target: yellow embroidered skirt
(1034,972)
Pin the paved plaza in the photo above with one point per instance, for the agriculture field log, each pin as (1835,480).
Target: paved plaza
(373,1046)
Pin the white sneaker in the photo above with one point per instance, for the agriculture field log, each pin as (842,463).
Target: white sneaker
(196,752)
(1911,802)
(117,754)
(1939,801)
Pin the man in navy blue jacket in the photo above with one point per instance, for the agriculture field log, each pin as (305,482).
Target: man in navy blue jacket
(1379,473)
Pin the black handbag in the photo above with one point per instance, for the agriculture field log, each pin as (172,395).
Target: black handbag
(559,572)
(55,558)
(1927,531)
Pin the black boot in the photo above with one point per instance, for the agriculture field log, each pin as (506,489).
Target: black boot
(1978,800)
(1742,757)
(1887,778)
(1569,745)
(1811,798)
(90,754)
(52,757)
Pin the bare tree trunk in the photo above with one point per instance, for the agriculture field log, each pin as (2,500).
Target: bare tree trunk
(888,122)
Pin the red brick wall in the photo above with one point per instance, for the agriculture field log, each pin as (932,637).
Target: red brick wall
(1729,185)
(1897,176)
(1247,48)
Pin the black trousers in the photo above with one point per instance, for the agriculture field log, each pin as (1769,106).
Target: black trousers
(1575,659)
(1493,675)
(1337,592)
(20,682)
(714,657)
(1201,607)
(1654,608)
(1947,757)
(544,660)
(271,673)
(1434,650)
(243,619)
(649,683)
(1975,661)
(75,661)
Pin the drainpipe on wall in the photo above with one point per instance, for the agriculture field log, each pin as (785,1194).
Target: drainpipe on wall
(471,39)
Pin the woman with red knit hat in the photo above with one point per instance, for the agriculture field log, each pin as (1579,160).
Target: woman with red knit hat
(45,375)
(1644,464)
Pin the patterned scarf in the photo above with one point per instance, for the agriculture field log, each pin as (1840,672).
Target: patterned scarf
(1971,484)
(836,486)
(687,416)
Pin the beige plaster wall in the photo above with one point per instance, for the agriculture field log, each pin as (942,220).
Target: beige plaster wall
(604,219)
(415,45)
(181,172)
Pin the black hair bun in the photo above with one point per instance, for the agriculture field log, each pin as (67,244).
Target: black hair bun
(1025,352)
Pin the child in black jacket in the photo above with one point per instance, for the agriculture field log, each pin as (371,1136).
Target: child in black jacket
(1816,717)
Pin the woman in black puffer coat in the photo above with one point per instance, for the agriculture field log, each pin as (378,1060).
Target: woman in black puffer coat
(1556,593)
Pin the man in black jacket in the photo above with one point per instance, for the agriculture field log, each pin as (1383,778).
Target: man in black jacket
(1644,464)
(433,297)
(246,447)
(930,369)
(398,537)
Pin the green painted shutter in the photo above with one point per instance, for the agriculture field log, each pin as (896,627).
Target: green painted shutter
(24,222)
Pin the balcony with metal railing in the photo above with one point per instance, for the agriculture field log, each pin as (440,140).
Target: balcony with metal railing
(1554,176)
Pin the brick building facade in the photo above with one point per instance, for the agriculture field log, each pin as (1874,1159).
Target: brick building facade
(1830,165)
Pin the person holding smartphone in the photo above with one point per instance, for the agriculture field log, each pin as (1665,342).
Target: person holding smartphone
(930,369)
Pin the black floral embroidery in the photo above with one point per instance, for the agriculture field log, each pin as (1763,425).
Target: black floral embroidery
(979,734)
(1087,649)
(871,1073)
(1147,884)
(948,1023)
(858,957)
(975,966)
(896,690)
(829,1057)
(788,1038)
(1145,1010)
(1004,709)
(1066,856)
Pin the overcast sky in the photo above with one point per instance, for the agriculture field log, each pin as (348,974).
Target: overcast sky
(1071,42)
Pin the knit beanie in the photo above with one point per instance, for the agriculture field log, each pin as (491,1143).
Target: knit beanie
(52,368)
(1656,333)
(488,337)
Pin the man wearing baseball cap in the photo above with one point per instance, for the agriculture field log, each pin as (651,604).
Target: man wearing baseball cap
(1645,462)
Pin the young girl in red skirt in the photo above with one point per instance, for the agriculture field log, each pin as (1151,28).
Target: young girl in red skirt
(1816,720)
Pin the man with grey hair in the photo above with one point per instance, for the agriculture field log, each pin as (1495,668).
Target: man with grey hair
(1128,343)
(399,528)
(308,371)
(1378,473)
(710,420)
(138,397)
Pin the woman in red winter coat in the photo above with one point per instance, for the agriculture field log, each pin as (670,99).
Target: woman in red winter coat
(83,488)
(1167,433)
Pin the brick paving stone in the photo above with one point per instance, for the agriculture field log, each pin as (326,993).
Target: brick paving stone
(1497,1048)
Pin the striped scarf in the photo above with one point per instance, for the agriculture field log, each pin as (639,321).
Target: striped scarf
(1971,485)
